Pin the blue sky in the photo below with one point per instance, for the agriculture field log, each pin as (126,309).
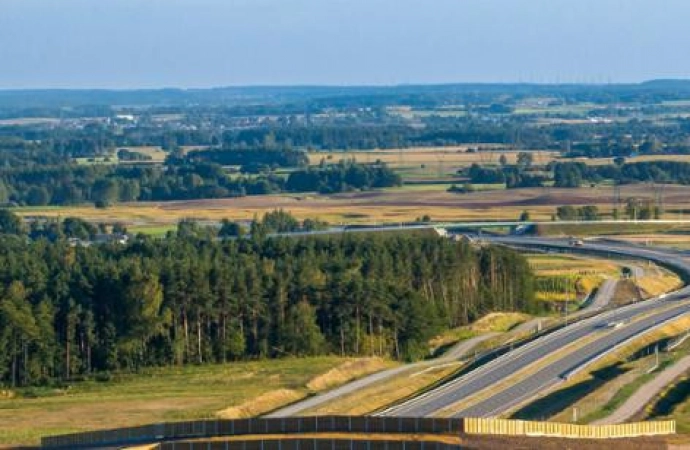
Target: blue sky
(201,43)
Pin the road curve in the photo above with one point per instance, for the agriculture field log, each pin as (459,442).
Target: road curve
(655,311)
(456,352)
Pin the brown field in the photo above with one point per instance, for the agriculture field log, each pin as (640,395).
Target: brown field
(387,206)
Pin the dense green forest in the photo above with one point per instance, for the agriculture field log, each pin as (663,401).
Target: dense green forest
(68,312)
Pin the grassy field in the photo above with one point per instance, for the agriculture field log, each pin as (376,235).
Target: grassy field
(157,154)
(168,394)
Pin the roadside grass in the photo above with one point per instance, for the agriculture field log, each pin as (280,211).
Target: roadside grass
(386,392)
(450,337)
(498,322)
(154,395)
(655,285)
(346,372)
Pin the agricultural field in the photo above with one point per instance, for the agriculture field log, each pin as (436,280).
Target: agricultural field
(561,278)
(167,394)
(387,206)
(430,163)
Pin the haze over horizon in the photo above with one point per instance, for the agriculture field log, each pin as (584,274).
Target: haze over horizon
(208,43)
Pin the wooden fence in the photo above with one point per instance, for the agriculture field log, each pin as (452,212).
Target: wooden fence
(567,430)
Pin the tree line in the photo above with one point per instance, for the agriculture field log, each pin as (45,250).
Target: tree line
(574,174)
(104,185)
(70,312)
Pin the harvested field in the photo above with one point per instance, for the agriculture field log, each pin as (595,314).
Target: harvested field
(389,206)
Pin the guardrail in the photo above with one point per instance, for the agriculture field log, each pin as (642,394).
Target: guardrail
(567,430)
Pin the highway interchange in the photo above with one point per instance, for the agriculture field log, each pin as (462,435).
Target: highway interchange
(539,361)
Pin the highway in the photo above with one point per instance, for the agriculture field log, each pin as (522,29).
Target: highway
(649,313)
(455,353)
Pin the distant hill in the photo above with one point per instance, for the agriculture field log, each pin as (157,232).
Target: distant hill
(335,96)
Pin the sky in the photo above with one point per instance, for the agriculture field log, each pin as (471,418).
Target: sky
(204,43)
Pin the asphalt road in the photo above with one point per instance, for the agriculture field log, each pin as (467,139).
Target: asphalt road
(603,296)
(457,352)
(496,371)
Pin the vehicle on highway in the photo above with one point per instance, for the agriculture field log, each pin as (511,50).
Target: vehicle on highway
(615,324)
(576,242)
